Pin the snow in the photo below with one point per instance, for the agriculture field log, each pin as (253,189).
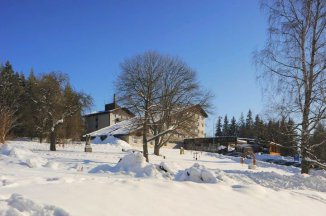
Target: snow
(17,205)
(23,156)
(109,181)
(197,173)
(132,163)
(111,140)
(120,128)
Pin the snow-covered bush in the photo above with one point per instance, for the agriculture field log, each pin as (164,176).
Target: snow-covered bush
(133,163)
(52,165)
(23,155)
(196,173)
(165,170)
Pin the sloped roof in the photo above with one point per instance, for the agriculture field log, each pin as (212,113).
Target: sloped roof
(120,128)
(127,126)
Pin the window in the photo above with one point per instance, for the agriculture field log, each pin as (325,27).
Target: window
(103,137)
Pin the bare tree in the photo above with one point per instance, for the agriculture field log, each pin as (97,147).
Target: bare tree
(180,99)
(294,63)
(158,89)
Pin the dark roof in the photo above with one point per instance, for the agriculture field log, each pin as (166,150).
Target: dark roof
(111,106)
(97,113)
(203,112)
(128,111)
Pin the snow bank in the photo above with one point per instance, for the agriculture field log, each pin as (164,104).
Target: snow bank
(52,165)
(132,163)
(298,181)
(20,153)
(196,173)
(23,155)
(163,166)
(110,140)
(17,205)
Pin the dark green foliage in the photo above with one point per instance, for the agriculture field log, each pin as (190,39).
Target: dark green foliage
(318,140)
(11,97)
(233,129)
(44,106)
(226,126)
(281,131)
(218,131)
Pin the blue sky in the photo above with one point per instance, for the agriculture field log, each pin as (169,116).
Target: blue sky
(89,39)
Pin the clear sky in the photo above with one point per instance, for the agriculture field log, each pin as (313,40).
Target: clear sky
(89,39)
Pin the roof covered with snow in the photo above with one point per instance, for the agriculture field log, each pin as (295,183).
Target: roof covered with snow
(120,128)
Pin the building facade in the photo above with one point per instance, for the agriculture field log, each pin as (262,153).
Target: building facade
(110,116)
(130,131)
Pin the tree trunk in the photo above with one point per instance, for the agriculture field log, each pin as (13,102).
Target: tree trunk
(145,147)
(305,166)
(157,144)
(157,150)
(53,140)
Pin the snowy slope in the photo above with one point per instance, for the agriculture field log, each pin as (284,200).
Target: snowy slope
(71,182)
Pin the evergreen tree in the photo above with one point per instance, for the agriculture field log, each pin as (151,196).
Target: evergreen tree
(259,129)
(319,138)
(29,118)
(233,127)
(249,125)
(218,131)
(10,95)
(242,126)
(226,126)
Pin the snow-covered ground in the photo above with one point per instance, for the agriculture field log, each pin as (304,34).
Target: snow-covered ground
(109,181)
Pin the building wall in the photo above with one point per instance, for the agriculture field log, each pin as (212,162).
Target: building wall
(118,115)
(200,127)
(197,130)
(137,141)
(96,122)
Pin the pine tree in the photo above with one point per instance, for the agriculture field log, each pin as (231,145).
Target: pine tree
(226,126)
(242,126)
(10,95)
(319,137)
(259,129)
(233,127)
(218,131)
(249,125)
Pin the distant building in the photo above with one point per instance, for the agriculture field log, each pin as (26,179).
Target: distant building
(130,131)
(278,149)
(112,114)
(211,144)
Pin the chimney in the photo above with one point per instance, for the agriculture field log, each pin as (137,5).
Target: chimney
(114,100)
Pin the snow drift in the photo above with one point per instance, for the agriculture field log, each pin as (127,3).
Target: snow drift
(110,140)
(17,205)
(196,173)
(133,163)
(23,155)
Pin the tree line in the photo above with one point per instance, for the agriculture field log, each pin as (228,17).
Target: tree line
(281,131)
(44,106)
(277,131)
